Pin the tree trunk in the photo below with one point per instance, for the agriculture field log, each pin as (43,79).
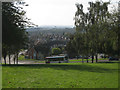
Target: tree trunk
(5,59)
(82,60)
(104,56)
(17,58)
(96,58)
(14,59)
(92,58)
(9,59)
(87,60)
(36,55)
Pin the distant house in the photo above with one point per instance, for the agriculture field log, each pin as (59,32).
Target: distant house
(33,54)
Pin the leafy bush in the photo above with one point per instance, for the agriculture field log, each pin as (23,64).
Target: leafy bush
(56,51)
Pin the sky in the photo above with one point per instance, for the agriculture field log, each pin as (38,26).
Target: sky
(55,12)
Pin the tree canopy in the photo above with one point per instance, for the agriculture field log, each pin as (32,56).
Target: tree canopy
(14,22)
(56,51)
(97,28)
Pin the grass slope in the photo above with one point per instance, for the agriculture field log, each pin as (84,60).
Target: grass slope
(70,75)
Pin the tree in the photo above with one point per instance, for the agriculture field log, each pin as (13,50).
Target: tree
(113,34)
(81,23)
(14,36)
(44,48)
(90,25)
(70,48)
(98,14)
(76,46)
(56,51)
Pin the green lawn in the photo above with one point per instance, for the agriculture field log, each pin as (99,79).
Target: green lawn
(22,57)
(88,59)
(63,75)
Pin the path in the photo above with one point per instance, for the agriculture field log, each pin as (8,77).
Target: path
(37,61)
(29,62)
(22,61)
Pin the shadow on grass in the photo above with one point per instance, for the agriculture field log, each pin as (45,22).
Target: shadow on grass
(80,67)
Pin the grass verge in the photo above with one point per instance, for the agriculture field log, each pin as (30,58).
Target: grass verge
(88,59)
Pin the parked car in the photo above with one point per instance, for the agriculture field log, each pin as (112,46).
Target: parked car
(86,57)
(113,58)
(78,57)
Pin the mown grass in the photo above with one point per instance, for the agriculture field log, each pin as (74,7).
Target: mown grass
(63,75)
(88,59)
(22,57)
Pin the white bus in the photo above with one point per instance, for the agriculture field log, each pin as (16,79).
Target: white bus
(57,59)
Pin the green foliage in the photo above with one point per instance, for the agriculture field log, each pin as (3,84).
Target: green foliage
(21,57)
(71,75)
(97,30)
(70,48)
(77,45)
(14,36)
(56,51)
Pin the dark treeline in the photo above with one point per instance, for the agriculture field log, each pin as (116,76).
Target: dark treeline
(14,36)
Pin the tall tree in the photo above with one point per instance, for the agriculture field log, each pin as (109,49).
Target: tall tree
(90,24)
(70,48)
(14,36)
(81,22)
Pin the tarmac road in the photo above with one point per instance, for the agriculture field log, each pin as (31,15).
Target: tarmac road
(37,61)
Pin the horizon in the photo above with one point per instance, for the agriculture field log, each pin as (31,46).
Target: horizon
(55,25)
(49,26)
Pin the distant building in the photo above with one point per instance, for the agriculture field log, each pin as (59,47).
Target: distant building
(33,54)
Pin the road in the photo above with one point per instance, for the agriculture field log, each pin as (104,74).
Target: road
(22,61)
(37,61)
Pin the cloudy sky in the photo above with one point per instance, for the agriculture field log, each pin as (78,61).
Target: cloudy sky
(55,12)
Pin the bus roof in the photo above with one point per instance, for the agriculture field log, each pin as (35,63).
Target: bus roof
(55,57)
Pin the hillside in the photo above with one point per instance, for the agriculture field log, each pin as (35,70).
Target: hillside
(51,30)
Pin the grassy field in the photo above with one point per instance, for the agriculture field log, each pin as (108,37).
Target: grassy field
(63,75)
(88,59)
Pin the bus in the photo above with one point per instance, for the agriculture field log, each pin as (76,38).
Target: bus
(57,59)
